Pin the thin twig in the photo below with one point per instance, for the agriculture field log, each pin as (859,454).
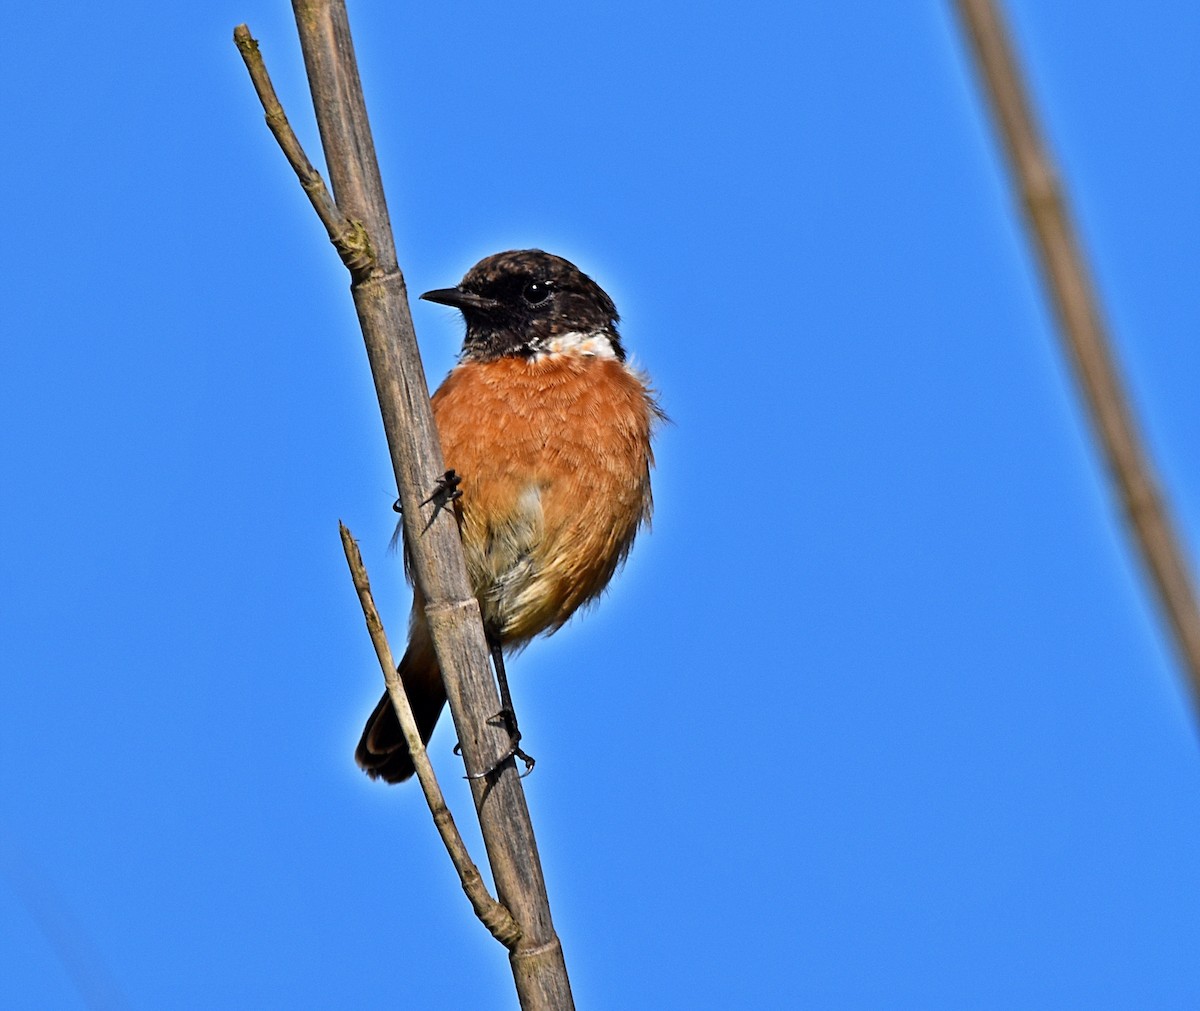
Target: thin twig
(494,916)
(348,237)
(1072,292)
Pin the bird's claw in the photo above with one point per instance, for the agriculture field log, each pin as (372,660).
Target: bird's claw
(512,752)
(508,719)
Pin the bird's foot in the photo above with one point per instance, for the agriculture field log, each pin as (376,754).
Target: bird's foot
(508,719)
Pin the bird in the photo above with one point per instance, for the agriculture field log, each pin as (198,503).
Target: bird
(548,428)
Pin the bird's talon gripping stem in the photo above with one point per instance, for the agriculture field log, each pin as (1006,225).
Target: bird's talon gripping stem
(508,719)
(512,752)
(527,759)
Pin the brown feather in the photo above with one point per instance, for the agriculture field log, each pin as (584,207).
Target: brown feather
(554,456)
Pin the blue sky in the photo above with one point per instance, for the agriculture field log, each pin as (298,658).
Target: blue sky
(879,715)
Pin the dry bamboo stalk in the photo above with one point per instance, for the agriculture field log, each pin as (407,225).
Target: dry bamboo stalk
(1072,293)
(380,299)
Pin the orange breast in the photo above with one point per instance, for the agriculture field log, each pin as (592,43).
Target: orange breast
(554,456)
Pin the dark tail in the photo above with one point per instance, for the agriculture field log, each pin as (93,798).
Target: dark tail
(382,752)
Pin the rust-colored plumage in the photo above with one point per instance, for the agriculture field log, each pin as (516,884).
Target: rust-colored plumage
(549,430)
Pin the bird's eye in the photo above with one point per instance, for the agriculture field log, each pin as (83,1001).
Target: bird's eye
(536,292)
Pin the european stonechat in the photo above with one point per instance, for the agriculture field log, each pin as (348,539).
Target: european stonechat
(548,429)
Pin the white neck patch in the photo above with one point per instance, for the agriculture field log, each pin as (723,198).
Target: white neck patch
(586,345)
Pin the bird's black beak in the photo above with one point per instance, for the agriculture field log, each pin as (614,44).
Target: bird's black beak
(460,299)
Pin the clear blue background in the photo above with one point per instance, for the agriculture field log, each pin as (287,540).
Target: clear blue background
(880,714)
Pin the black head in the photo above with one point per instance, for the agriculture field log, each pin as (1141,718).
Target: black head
(522,301)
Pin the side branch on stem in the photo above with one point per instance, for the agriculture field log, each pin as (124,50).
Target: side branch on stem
(493,915)
(348,237)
